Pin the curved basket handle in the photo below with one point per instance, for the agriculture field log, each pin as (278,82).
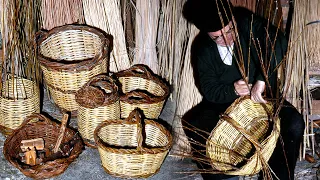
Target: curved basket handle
(108,82)
(133,94)
(244,132)
(135,116)
(140,69)
(39,116)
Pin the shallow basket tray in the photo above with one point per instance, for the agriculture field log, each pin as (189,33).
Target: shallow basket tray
(142,89)
(19,98)
(93,111)
(240,143)
(126,152)
(69,56)
(39,126)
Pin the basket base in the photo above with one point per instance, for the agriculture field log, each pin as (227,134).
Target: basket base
(89,143)
(5,131)
(130,177)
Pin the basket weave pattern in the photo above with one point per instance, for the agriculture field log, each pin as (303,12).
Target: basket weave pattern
(69,56)
(123,150)
(90,117)
(19,98)
(240,138)
(39,126)
(142,89)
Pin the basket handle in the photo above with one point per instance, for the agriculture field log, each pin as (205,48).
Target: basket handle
(135,117)
(102,77)
(39,116)
(140,69)
(244,132)
(136,94)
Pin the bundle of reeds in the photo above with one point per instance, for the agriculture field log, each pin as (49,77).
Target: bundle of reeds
(60,12)
(147,18)
(106,15)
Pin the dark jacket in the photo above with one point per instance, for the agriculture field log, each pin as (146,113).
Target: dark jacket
(215,79)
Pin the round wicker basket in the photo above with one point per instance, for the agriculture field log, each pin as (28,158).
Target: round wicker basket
(241,143)
(92,111)
(132,150)
(19,98)
(142,89)
(69,56)
(39,126)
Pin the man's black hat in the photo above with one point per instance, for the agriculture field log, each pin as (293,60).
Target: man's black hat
(204,14)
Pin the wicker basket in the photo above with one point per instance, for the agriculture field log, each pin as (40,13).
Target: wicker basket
(39,126)
(142,89)
(92,110)
(126,153)
(19,98)
(240,143)
(69,56)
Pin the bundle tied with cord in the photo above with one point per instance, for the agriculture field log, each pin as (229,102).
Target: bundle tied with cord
(244,138)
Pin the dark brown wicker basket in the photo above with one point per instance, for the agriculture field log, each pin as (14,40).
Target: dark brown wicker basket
(39,126)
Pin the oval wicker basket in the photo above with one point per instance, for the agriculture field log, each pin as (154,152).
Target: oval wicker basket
(142,89)
(39,126)
(241,143)
(132,150)
(92,110)
(69,56)
(19,98)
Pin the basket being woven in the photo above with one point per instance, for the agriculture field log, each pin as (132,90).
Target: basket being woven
(142,89)
(240,143)
(69,56)
(132,150)
(92,110)
(19,98)
(39,126)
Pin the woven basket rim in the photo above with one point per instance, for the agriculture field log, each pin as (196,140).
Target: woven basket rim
(149,75)
(31,171)
(79,65)
(144,150)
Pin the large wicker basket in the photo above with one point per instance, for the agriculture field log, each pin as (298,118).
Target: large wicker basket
(39,126)
(98,101)
(69,56)
(142,89)
(132,150)
(19,98)
(241,143)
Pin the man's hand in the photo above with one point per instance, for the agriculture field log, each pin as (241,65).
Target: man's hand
(241,88)
(257,90)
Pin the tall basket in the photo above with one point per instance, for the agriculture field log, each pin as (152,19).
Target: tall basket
(132,148)
(244,138)
(98,101)
(19,98)
(69,56)
(142,89)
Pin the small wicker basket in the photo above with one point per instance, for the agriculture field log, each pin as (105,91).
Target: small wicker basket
(142,89)
(69,56)
(39,126)
(92,110)
(19,98)
(240,143)
(126,153)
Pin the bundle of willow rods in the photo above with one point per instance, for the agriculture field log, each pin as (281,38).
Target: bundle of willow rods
(303,54)
(147,18)
(60,12)
(105,14)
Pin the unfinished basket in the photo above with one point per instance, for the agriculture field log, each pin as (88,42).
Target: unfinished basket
(39,126)
(69,56)
(19,98)
(240,143)
(92,110)
(132,150)
(142,89)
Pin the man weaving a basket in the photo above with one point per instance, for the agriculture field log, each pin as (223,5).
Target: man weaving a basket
(236,54)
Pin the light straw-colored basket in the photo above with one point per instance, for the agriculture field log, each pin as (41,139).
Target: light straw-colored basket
(69,56)
(19,98)
(143,89)
(130,148)
(240,143)
(93,111)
